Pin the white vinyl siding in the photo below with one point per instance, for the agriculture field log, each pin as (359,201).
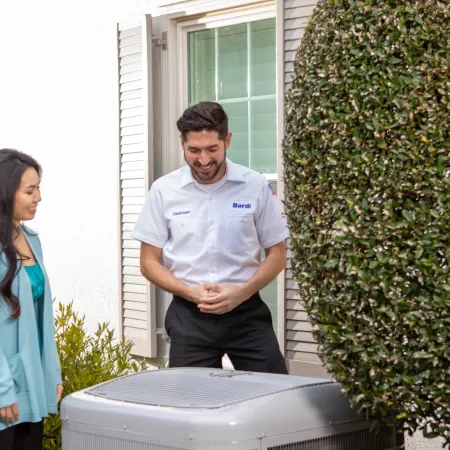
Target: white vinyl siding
(300,346)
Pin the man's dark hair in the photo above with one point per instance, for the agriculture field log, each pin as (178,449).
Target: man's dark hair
(204,116)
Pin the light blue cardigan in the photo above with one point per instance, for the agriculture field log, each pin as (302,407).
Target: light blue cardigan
(25,376)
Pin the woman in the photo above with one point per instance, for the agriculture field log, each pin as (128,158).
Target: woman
(30,374)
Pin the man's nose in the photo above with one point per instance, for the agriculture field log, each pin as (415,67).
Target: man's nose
(204,159)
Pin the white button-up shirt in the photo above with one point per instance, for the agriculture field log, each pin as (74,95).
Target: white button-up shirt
(212,233)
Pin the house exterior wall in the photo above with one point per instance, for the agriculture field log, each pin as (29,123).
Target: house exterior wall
(58,102)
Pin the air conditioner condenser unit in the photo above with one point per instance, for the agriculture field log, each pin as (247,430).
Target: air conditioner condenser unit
(212,409)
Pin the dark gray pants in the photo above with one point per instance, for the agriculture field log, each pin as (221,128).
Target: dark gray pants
(245,334)
(24,436)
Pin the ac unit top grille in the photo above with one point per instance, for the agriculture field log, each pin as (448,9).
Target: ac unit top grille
(197,388)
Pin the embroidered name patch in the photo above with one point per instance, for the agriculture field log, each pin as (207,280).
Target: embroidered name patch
(242,206)
(181,213)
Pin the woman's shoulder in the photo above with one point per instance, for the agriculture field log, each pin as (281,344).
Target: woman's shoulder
(32,237)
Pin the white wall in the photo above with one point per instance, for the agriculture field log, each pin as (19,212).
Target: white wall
(58,102)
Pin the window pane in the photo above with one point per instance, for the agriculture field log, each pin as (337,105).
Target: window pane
(238,125)
(263,60)
(263,152)
(269,294)
(202,66)
(233,61)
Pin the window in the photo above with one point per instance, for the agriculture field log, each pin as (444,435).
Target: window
(235,65)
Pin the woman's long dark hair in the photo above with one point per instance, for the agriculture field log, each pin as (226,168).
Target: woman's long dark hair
(13,164)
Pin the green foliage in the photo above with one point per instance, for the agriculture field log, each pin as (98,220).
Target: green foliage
(367,173)
(85,361)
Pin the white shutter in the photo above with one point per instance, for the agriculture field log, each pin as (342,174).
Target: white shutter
(300,346)
(137,295)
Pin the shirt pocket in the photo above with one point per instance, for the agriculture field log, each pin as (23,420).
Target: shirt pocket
(241,233)
(185,232)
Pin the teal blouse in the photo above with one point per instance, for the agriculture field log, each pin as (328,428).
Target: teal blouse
(37,281)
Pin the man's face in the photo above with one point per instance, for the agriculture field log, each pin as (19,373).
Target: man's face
(205,154)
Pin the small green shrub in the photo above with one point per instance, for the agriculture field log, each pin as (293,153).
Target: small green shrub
(367,174)
(86,360)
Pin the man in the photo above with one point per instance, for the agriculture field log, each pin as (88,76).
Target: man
(209,221)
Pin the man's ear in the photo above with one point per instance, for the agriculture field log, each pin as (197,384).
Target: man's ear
(228,140)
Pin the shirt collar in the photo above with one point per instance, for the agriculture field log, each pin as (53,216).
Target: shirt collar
(233,173)
(186,176)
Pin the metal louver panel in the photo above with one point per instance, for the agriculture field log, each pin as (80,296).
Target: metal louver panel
(355,440)
(73,439)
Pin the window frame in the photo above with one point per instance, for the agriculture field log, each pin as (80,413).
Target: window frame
(233,18)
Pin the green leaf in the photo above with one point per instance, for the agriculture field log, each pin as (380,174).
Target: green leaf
(407,215)
(421,355)
(331,264)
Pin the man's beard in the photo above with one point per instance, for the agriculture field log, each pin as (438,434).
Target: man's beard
(203,176)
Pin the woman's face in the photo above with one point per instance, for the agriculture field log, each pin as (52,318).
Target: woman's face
(27,196)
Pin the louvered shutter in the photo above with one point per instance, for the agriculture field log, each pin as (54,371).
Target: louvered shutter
(137,296)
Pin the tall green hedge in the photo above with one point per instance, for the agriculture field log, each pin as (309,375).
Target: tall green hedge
(367,173)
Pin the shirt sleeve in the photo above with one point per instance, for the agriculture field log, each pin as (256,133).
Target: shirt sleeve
(151,226)
(271,224)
